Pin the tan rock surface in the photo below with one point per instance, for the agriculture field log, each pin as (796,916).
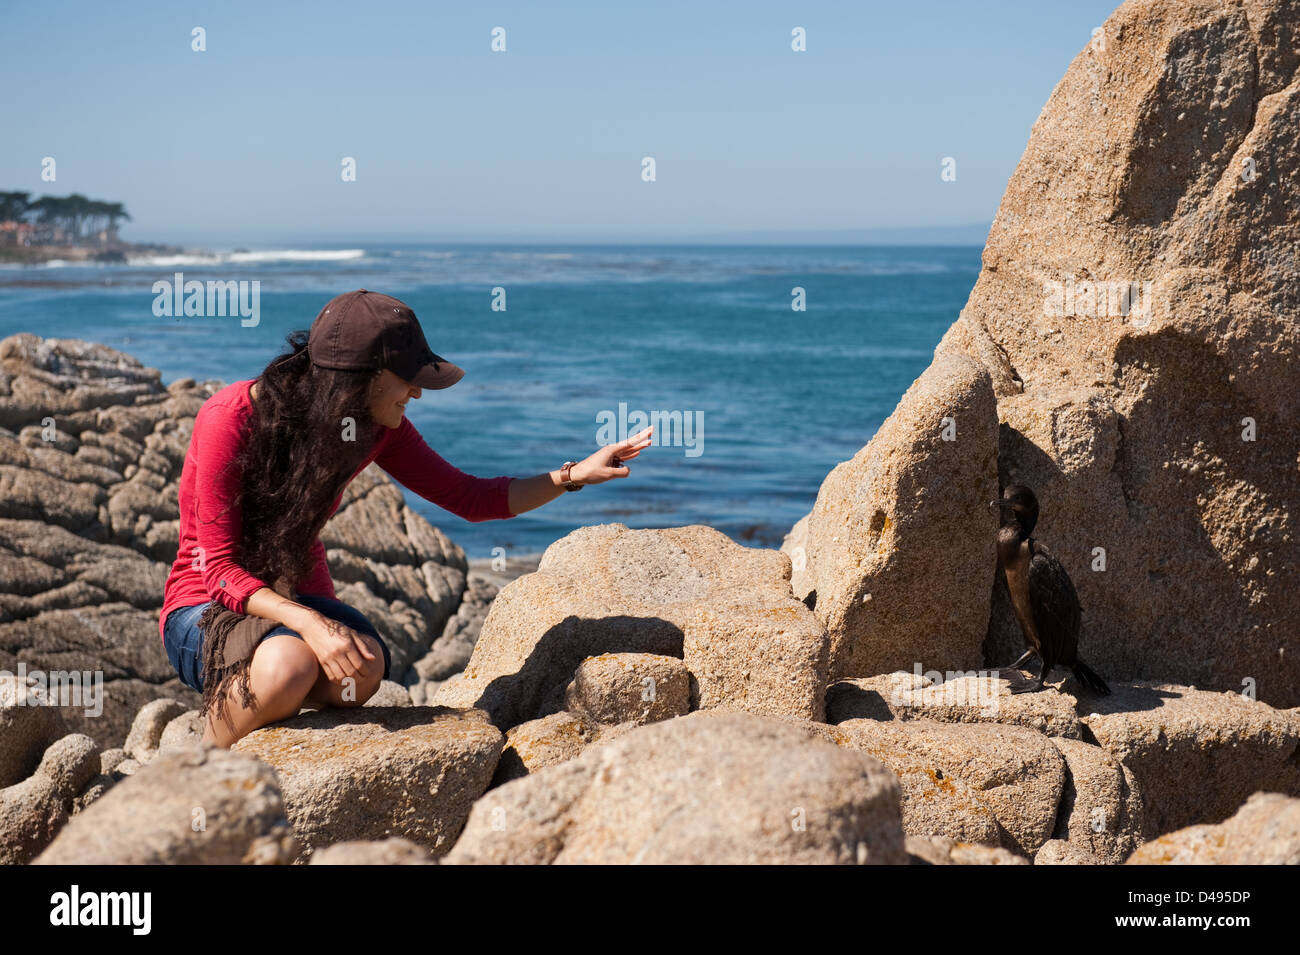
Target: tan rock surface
(395,851)
(956,775)
(899,547)
(191,805)
(630,688)
(956,697)
(1166,735)
(711,787)
(1101,812)
(726,610)
(942,850)
(34,810)
(1265,831)
(368,773)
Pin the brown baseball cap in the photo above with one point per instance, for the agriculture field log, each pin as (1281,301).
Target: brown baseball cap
(364,330)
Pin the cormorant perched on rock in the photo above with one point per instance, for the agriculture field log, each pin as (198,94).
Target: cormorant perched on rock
(1041,593)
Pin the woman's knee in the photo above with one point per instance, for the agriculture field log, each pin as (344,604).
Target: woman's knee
(284,664)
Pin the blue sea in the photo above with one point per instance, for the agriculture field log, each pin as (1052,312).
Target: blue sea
(781,396)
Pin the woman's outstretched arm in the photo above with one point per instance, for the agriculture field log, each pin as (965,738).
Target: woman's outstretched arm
(528,493)
(410,460)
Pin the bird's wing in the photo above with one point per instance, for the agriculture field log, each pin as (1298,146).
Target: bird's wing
(1054,603)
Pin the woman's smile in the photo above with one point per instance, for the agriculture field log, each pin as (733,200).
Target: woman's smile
(384,391)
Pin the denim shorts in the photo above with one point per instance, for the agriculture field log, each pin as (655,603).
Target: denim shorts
(183,639)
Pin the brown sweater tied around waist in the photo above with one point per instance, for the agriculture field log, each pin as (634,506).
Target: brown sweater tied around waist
(229,639)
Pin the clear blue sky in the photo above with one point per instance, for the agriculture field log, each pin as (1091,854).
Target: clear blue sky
(543,142)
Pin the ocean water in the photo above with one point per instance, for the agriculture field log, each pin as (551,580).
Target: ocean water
(781,396)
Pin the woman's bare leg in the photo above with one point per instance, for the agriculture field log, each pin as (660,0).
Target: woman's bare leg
(282,673)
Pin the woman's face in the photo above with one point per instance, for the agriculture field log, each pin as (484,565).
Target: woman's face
(388,396)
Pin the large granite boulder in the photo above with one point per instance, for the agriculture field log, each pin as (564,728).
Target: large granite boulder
(973,782)
(1168,735)
(1135,319)
(711,787)
(1159,430)
(370,773)
(1264,831)
(195,805)
(28,725)
(898,552)
(91,450)
(952,697)
(1102,814)
(618,688)
(687,592)
(33,811)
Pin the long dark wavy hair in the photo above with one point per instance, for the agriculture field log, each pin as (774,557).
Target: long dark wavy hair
(296,457)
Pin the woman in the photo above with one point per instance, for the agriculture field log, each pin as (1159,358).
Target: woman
(249,616)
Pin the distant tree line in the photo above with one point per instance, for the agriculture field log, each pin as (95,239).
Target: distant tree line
(75,216)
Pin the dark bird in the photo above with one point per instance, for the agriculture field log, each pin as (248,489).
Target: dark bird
(1041,593)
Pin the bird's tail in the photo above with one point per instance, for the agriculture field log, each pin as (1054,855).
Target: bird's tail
(1089,678)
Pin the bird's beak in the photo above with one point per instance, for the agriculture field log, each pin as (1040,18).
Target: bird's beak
(1000,504)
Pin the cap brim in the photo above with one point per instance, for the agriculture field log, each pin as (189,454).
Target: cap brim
(443,375)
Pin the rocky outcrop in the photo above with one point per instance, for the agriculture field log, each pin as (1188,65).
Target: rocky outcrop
(1129,350)
(145,736)
(909,516)
(91,450)
(33,811)
(609,695)
(182,730)
(1135,320)
(1264,831)
(952,697)
(370,772)
(687,592)
(629,688)
(544,742)
(450,653)
(28,725)
(1166,735)
(973,782)
(1061,852)
(191,805)
(390,694)
(1102,814)
(1127,756)
(709,787)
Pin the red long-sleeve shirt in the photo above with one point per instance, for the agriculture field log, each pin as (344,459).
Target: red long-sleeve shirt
(210,524)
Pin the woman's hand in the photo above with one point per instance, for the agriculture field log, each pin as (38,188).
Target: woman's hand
(337,646)
(607,462)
